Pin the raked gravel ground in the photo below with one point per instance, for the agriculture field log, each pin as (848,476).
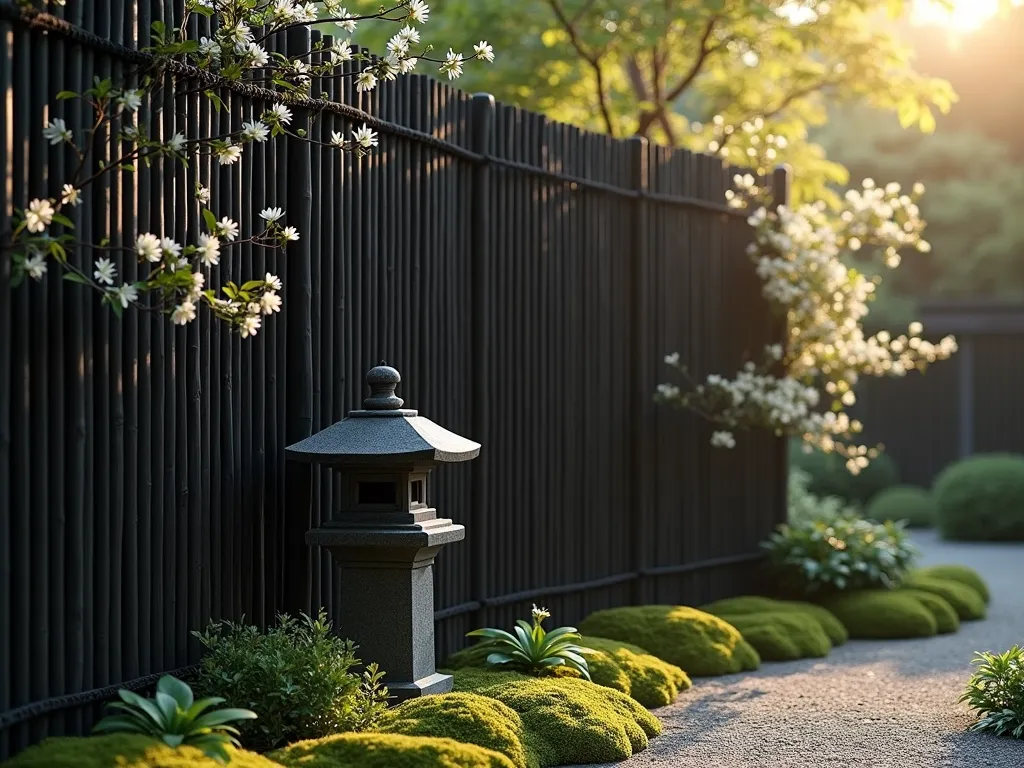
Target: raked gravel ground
(870,704)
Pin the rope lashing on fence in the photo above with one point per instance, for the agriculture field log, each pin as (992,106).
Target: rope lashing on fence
(37,19)
(96,695)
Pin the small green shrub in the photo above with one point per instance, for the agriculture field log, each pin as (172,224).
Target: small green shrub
(830,477)
(981,499)
(467,718)
(386,750)
(946,620)
(532,649)
(733,606)
(967,603)
(613,664)
(697,642)
(568,721)
(802,505)
(903,502)
(174,717)
(126,750)
(641,675)
(996,693)
(960,573)
(845,553)
(295,675)
(782,635)
(881,614)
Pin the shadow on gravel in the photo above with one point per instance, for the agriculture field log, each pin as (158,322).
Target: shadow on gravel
(980,750)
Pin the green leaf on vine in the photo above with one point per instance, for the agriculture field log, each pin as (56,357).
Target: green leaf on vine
(66,95)
(74,277)
(214,99)
(202,10)
(210,219)
(63,220)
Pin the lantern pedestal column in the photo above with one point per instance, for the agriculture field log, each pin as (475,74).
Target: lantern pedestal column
(387,597)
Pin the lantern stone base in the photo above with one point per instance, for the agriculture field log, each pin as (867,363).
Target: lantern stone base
(387,597)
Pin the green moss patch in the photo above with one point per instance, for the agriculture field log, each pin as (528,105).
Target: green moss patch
(882,613)
(960,573)
(124,750)
(967,603)
(946,619)
(464,717)
(697,642)
(782,636)
(734,606)
(386,750)
(567,721)
(647,679)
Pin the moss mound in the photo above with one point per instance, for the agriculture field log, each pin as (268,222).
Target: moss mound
(568,721)
(697,642)
(464,717)
(124,750)
(967,603)
(386,750)
(903,502)
(960,573)
(735,606)
(945,616)
(981,499)
(621,666)
(782,636)
(882,614)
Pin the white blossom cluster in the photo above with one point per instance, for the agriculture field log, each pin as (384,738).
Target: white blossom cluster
(799,256)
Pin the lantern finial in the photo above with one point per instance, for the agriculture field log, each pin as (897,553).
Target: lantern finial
(382,381)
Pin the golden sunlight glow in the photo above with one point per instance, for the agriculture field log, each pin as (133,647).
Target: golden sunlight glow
(957,15)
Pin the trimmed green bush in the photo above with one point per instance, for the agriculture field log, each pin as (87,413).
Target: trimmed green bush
(464,717)
(830,477)
(960,573)
(945,616)
(567,720)
(697,642)
(967,603)
(617,665)
(386,750)
(882,614)
(834,628)
(125,750)
(903,502)
(981,499)
(782,635)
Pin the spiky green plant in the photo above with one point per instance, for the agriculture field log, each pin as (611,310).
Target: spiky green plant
(996,692)
(534,650)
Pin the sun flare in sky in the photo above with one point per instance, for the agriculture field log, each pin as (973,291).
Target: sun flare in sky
(959,15)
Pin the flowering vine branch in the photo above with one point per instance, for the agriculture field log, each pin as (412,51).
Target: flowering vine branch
(174,277)
(803,258)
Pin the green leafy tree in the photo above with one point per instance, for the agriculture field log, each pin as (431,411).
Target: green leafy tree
(668,70)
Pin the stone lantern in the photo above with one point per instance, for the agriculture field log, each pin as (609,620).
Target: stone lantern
(384,536)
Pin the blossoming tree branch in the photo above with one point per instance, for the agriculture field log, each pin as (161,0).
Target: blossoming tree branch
(178,274)
(803,256)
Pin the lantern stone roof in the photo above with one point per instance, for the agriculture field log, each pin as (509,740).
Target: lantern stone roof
(383,432)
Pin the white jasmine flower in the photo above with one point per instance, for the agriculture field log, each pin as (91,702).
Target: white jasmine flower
(170,249)
(309,13)
(270,303)
(208,250)
(176,143)
(672,359)
(419,11)
(105,271)
(184,313)
(57,131)
(126,294)
(407,65)
(209,47)
(341,51)
(337,139)
(250,325)
(398,44)
(255,131)
(366,81)
(258,56)
(390,66)
(483,50)
(347,25)
(227,229)
(278,113)
(411,35)
(452,65)
(130,100)
(289,234)
(202,194)
(271,215)
(273,282)
(228,154)
(365,137)
(723,439)
(35,265)
(70,195)
(147,246)
(198,281)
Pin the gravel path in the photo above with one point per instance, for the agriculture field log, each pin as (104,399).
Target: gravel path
(885,704)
